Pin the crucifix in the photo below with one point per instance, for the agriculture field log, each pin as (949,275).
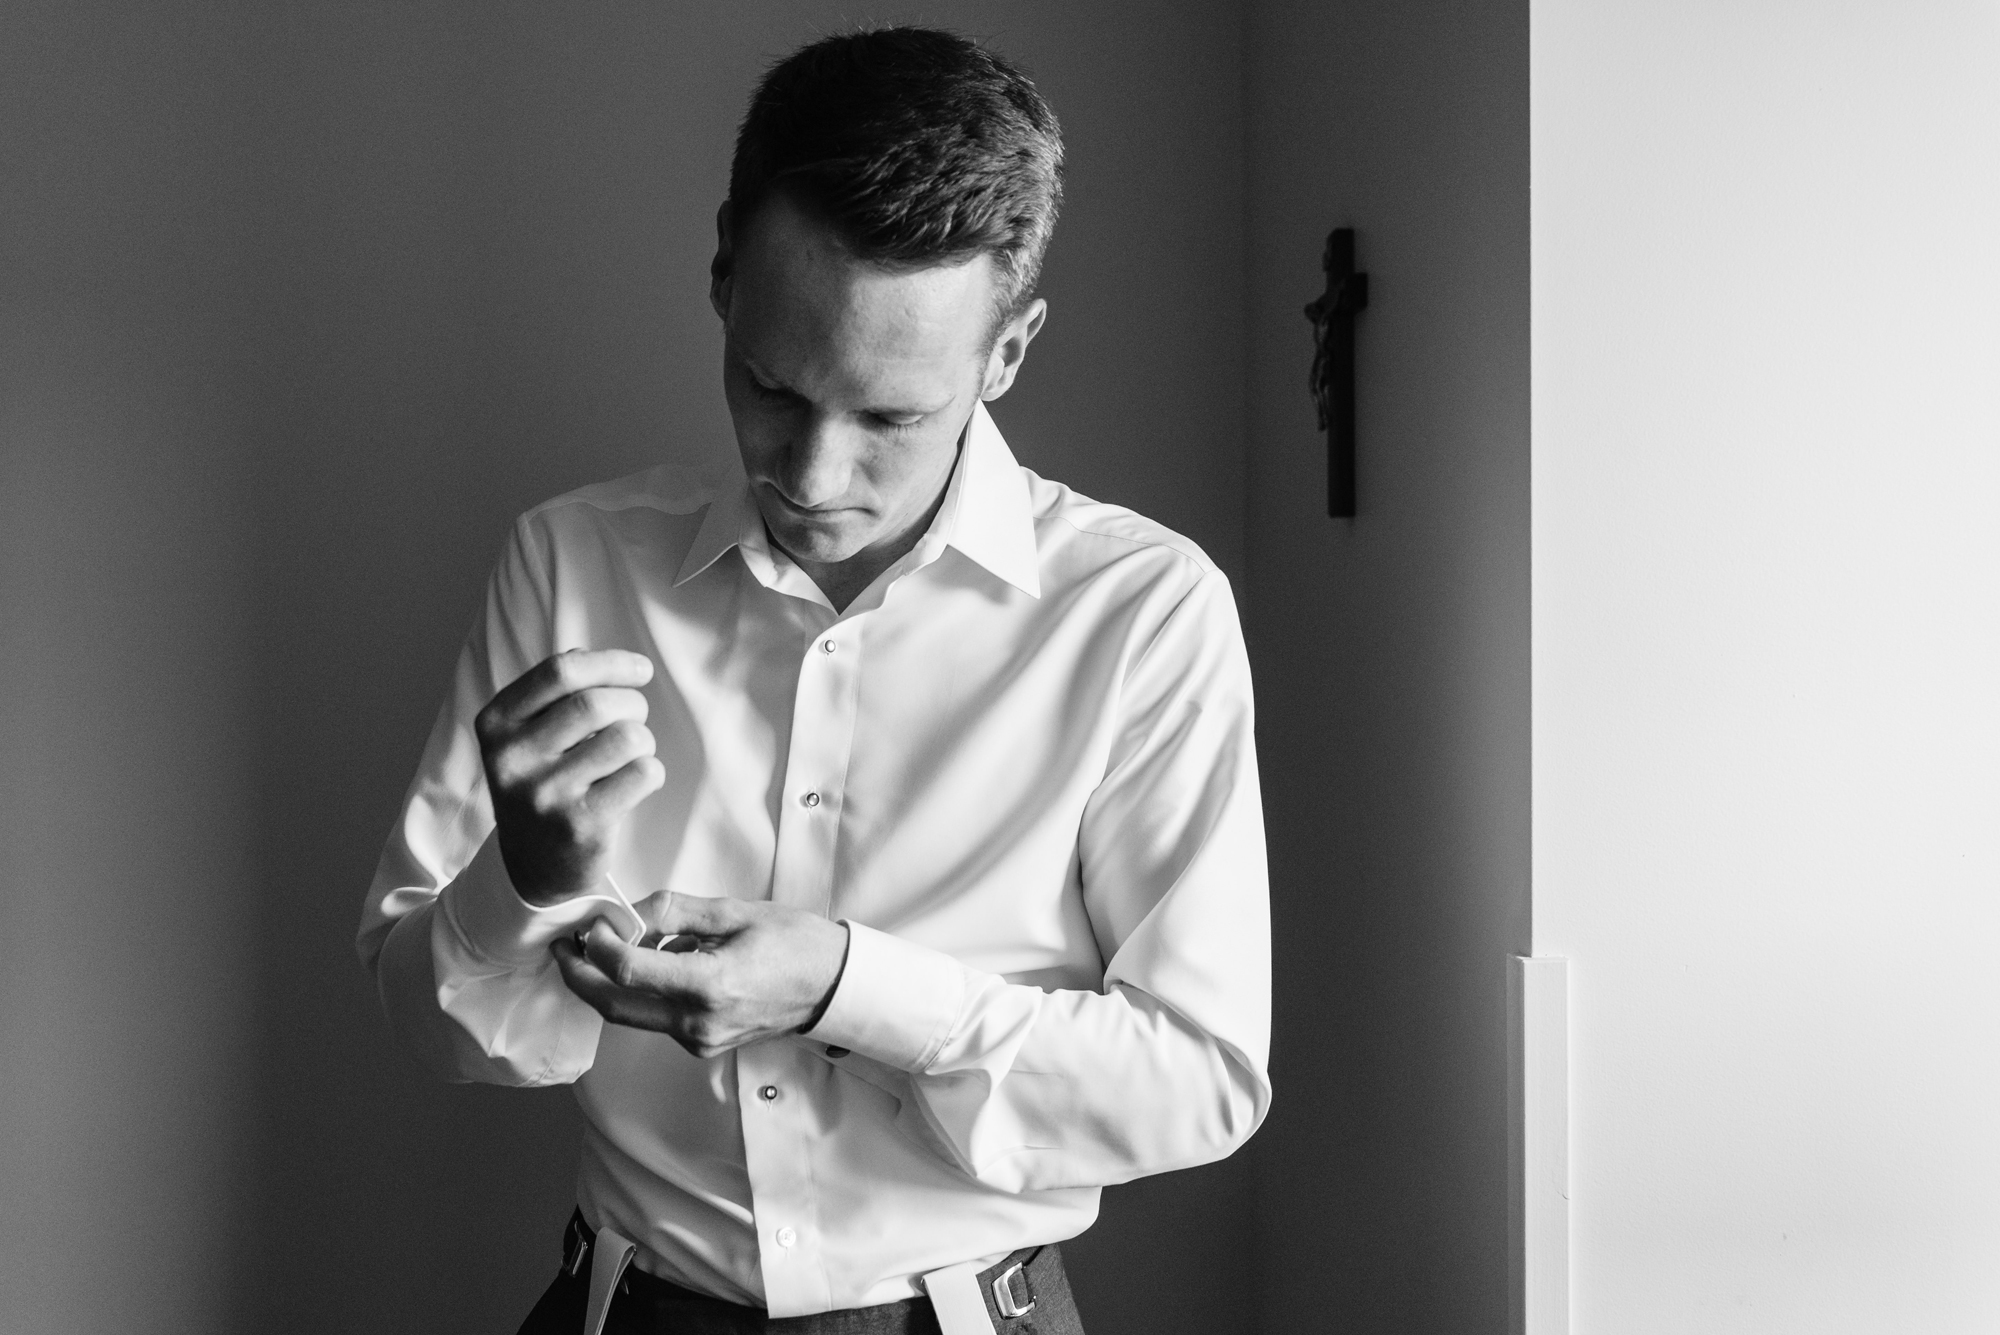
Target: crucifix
(1332,382)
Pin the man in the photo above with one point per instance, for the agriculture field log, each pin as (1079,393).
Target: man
(936,780)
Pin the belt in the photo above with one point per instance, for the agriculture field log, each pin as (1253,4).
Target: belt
(1027,1293)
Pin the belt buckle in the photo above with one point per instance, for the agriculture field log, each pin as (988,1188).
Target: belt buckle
(575,1247)
(1003,1292)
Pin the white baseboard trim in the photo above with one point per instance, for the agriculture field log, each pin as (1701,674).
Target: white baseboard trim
(1538,1145)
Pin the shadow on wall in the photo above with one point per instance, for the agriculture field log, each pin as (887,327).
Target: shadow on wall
(1391,653)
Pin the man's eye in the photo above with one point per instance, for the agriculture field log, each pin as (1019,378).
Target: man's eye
(901,422)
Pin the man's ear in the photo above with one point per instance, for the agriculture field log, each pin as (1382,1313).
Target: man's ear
(1011,348)
(722,267)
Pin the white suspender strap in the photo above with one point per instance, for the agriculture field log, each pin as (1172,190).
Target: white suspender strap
(609,1256)
(954,1294)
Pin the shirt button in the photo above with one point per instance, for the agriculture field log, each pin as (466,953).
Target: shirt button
(768,1093)
(827,646)
(810,799)
(787,1236)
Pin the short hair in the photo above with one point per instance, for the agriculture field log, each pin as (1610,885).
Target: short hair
(918,146)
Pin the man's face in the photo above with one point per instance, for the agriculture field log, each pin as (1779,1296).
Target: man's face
(850,384)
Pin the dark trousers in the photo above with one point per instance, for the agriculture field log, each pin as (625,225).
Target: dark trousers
(646,1305)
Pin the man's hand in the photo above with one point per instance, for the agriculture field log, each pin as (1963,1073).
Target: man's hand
(742,972)
(567,754)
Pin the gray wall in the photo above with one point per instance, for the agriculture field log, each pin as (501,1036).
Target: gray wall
(1391,654)
(303,304)
(128,889)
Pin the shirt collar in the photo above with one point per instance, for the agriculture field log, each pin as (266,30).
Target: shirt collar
(732,521)
(986,515)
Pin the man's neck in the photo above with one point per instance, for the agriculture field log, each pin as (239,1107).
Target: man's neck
(844,581)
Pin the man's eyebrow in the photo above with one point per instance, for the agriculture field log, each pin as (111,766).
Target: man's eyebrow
(878,410)
(911,410)
(755,369)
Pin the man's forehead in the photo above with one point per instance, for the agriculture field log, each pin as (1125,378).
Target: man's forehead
(800,294)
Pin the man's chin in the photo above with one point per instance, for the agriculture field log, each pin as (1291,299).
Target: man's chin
(824,543)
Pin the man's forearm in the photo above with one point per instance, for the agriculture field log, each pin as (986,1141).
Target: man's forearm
(1033,1090)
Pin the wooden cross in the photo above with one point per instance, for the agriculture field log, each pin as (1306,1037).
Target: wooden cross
(1332,382)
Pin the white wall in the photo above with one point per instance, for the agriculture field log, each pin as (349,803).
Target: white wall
(1767,655)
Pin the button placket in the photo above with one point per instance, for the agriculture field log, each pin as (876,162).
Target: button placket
(777,1151)
(823,709)
(774,1091)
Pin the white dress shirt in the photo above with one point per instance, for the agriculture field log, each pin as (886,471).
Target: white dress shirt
(1019,767)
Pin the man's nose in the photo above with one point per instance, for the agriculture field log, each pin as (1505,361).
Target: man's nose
(819,463)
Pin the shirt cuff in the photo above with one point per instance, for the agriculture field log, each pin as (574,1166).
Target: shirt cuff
(896,1001)
(492,924)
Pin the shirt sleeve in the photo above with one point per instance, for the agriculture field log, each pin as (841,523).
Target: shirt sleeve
(1165,1067)
(461,961)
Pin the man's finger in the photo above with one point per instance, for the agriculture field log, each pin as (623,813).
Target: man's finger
(582,976)
(564,674)
(570,720)
(639,968)
(568,787)
(703,915)
(578,969)
(596,758)
(618,792)
(604,994)
(686,1024)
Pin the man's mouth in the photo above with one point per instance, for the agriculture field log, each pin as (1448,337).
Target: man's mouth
(809,512)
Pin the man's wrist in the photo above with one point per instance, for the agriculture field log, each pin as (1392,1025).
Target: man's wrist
(541,881)
(496,923)
(896,1001)
(826,997)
